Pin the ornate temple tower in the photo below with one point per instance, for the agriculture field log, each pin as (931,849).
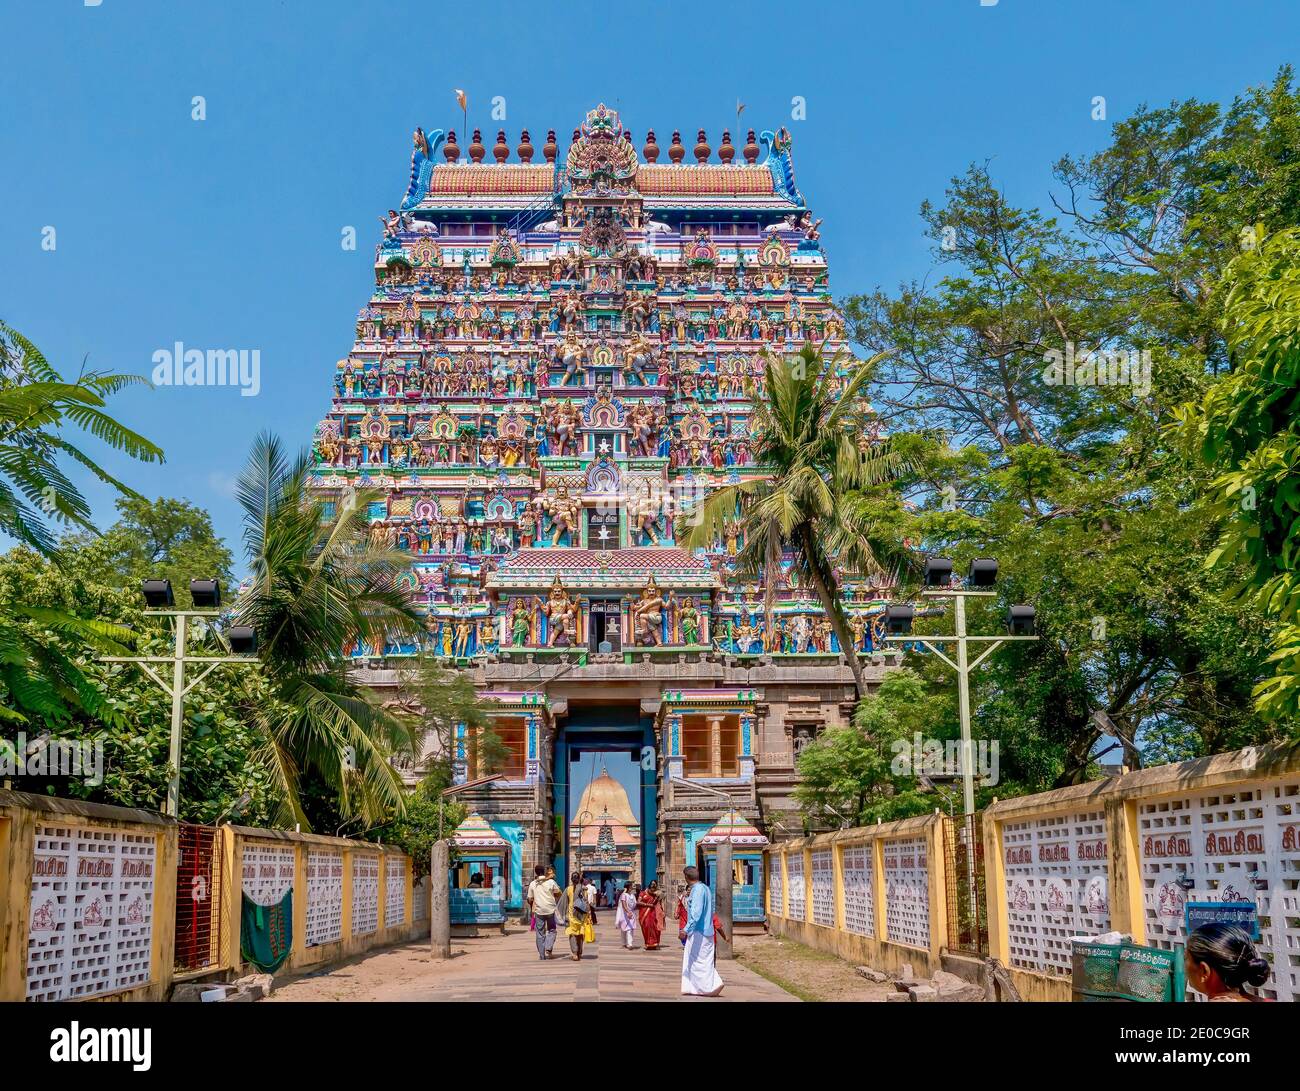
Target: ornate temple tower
(558,363)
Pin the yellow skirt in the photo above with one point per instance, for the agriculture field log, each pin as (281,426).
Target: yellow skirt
(579,926)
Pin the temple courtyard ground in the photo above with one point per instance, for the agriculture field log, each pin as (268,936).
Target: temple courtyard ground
(497,967)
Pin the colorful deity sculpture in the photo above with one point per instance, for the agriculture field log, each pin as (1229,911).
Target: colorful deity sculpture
(562,614)
(689,620)
(647,615)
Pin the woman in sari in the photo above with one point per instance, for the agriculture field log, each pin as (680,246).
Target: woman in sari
(648,910)
(580,930)
(626,917)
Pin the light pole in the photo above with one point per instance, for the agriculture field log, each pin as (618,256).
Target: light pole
(1020,622)
(207,598)
(1020,625)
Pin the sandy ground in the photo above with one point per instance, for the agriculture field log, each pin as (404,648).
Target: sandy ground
(809,974)
(371,977)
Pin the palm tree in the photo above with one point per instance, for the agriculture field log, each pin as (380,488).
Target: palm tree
(35,403)
(316,588)
(39,682)
(810,504)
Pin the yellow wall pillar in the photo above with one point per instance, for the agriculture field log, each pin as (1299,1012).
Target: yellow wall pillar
(1124,869)
(299,955)
(938,880)
(345,933)
(837,873)
(229,849)
(995,885)
(16,843)
(878,886)
(807,883)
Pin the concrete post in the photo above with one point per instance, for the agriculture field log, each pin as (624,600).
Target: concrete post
(439,902)
(722,898)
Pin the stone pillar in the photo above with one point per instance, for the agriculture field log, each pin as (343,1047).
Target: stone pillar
(439,902)
(722,898)
(715,746)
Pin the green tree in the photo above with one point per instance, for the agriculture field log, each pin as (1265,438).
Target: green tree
(1081,490)
(426,818)
(819,497)
(434,700)
(850,774)
(129,716)
(36,405)
(164,539)
(317,589)
(38,681)
(1246,430)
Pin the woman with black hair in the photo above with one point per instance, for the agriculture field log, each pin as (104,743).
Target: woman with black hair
(1220,960)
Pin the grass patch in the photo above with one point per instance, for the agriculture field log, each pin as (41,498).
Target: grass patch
(776,979)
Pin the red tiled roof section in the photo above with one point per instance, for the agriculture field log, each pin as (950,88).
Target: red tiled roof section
(672,181)
(457,181)
(648,559)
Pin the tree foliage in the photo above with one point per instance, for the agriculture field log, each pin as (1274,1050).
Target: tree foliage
(847,774)
(1247,428)
(817,500)
(1081,489)
(316,588)
(37,406)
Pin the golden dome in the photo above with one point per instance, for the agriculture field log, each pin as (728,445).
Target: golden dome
(603,794)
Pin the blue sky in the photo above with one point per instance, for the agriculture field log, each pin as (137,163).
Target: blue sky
(225,233)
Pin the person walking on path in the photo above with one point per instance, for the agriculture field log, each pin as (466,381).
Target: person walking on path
(649,910)
(591,899)
(699,970)
(625,919)
(543,893)
(579,930)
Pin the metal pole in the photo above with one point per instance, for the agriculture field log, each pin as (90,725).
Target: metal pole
(967,759)
(963,704)
(178,716)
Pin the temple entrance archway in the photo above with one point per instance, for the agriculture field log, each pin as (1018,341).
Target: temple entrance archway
(587,740)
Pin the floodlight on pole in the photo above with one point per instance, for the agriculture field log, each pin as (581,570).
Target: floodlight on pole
(206,594)
(157,594)
(159,602)
(1020,624)
(1020,620)
(938,571)
(983,573)
(898,619)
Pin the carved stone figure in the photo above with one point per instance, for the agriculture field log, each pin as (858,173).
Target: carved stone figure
(647,615)
(560,610)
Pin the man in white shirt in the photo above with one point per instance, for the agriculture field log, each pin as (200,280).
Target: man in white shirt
(543,897)
(591,898)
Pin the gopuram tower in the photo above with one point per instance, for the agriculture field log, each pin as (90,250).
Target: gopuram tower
(558,360)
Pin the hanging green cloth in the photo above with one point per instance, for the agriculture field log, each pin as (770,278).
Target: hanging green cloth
(266,933)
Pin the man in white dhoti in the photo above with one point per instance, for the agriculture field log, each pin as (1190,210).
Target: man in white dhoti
(699,972)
